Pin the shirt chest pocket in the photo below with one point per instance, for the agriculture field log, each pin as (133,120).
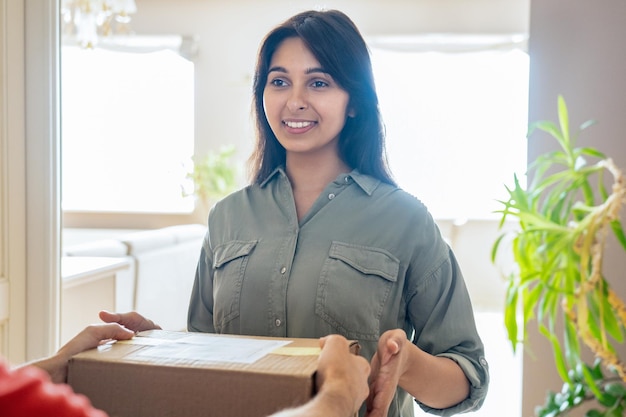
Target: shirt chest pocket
(230,261)
(353,289)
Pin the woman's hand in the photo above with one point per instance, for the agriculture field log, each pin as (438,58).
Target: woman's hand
(388,364)
(132,320)
(436,381)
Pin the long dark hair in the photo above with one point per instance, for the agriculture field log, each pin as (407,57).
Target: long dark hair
(337,44)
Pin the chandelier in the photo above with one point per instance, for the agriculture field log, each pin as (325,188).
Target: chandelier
(86,21)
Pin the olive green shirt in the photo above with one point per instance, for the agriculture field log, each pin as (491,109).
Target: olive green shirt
(365,259)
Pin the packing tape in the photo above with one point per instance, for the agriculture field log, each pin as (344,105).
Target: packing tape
(297,351)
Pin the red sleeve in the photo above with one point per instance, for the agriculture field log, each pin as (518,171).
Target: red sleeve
(28,391)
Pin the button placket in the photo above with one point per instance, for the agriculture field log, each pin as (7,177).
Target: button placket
(277,321)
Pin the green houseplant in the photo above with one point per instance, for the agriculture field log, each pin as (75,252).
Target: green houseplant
(562,221)
(213,176)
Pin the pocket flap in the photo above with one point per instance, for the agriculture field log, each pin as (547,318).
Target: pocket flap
(367,260)
(232,250)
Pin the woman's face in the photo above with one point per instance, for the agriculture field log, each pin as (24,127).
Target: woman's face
(304,106)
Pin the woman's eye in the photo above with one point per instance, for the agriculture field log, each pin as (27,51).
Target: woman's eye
(319,84)
(277,82)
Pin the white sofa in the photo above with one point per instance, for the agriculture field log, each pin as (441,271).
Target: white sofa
(162,267)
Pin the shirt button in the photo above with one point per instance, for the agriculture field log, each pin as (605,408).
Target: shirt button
(346,179)
(283,270)
(483,361)
(331,196)
(278,322)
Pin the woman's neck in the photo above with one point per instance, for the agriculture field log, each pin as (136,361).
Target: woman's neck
(312,175)
(309,177)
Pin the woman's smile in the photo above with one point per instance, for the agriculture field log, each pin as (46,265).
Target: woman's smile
(298,127)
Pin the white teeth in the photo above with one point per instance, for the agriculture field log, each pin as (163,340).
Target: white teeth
(298,125)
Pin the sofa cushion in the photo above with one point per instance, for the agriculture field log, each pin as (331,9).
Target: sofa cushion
(186,232)
(166,261)
(102,247)
(147,240)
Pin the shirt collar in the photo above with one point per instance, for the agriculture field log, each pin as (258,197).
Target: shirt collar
(365,182)
(278,170)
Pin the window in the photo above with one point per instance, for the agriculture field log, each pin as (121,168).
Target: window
(127,129)
(455,111)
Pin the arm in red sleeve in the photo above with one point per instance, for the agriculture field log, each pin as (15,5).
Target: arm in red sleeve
(28,391)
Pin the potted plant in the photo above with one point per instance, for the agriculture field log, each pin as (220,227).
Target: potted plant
(562,221)
(213,177)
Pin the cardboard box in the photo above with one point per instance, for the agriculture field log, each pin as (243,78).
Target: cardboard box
(178,374)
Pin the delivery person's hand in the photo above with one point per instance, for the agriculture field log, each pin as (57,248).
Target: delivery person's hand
(90,337)
(342,374)
(132,320)
(341,382)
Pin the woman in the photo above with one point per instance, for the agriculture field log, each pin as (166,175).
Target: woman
(323,241)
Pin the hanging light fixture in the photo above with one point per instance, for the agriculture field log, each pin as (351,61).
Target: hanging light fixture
(85,21)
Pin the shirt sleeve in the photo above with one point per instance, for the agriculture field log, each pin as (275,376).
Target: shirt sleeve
(444,326)
(28,391)
(200,313)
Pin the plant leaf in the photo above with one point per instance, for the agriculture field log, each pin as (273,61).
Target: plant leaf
(564,122)
(558,356)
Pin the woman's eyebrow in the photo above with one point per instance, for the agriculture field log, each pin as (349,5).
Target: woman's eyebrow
(316,69)
(308,71)
(277,69)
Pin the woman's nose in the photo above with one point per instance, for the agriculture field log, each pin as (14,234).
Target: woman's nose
(297,101)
